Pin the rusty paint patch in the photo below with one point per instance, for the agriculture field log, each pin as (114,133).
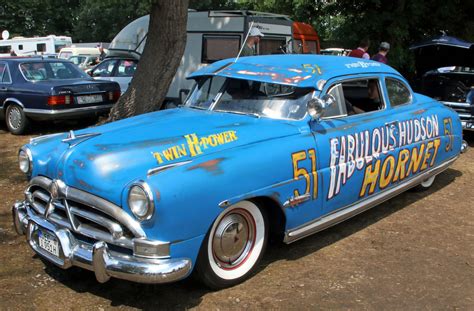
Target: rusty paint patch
(85,185)
(418,112)
(79,163)
(211,166)
(157,195)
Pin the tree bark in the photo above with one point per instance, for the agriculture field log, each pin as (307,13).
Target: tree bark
(161,57)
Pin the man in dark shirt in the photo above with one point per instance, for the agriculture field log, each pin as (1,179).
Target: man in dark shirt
(381,56)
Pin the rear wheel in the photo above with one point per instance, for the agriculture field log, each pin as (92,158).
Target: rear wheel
(16,120)
(233,246)
(426,184)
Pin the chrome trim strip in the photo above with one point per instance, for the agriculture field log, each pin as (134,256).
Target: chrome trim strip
(455,104)
(156,170)
(65,111)
(330,220)
(295,201)
(74,140)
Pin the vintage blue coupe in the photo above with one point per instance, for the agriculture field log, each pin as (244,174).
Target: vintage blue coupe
(282,145)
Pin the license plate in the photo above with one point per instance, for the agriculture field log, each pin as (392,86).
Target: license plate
(49,243)
(89,99)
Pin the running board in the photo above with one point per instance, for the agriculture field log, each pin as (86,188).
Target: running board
(359,207)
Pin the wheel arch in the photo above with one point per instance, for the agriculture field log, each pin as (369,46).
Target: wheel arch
(275,215)
(9,101)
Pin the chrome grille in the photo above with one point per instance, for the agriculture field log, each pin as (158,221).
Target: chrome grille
(82,213)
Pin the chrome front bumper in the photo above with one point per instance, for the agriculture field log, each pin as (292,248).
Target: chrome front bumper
(96,257)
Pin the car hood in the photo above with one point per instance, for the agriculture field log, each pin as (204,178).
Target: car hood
(106,158)
(442,51)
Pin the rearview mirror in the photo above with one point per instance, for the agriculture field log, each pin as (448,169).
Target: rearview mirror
(317,106)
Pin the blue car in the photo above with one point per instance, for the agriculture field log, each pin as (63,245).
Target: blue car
(49,89)
(283,145)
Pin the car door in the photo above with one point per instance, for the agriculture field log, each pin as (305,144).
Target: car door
(125,68)
(105,70)
(356,140)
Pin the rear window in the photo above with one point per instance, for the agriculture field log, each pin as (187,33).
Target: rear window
(398,93)
(40,71)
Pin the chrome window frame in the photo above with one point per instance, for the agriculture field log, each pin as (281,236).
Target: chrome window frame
(340,80)
(405,85)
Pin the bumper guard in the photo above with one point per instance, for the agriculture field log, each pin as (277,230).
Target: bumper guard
(96,257)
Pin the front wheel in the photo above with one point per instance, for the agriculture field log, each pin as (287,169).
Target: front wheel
(233,246)
(16,120)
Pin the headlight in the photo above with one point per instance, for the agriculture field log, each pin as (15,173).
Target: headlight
(25,160)
(140,200)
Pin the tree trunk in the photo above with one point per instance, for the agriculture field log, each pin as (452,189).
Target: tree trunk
(161,57)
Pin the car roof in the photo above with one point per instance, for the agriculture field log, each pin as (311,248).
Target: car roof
(20,59)
(296,70)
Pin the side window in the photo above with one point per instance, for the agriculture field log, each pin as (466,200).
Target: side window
(268,46)
(41,47)
(339,108)
(20,47)
(398,93)
(4,74)
(104,69)
(355,97)
(215,48)
(5,49)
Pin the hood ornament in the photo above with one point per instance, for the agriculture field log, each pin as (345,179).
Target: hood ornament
(73,139)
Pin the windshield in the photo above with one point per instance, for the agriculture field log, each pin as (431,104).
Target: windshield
(40,71)
(256,98)
(77,59)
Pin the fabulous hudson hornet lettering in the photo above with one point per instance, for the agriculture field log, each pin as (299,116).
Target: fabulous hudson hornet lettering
(284,145)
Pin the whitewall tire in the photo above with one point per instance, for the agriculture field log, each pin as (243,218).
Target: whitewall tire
(233,246)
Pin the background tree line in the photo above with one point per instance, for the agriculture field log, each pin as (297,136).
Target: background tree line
(340,23)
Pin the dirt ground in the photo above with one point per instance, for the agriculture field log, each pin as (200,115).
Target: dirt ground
(415,251)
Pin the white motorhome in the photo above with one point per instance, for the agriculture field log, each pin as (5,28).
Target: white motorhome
(211,36)
(23,46)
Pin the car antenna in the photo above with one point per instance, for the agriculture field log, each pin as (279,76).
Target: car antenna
(245,41)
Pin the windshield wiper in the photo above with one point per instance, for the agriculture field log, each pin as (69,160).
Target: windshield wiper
(253,114)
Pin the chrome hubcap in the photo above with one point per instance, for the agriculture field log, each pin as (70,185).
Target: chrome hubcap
(233,239)
(14,118)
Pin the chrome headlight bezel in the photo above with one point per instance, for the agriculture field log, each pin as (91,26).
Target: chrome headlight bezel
(141,191)
(25,160)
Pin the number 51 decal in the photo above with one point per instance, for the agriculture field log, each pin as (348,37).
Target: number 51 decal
(299,171)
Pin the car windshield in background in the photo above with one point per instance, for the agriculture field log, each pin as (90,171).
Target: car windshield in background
(77,60)
(250,97)
(41,71)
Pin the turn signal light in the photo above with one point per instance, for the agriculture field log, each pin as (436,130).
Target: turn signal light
(59,100)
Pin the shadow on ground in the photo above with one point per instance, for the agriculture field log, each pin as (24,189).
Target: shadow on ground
(189,292)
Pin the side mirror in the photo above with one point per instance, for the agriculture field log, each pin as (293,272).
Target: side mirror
(317,106)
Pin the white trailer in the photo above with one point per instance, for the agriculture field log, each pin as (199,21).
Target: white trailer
(22,46)
(211,36)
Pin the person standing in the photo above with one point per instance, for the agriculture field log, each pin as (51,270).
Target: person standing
(249,48)
(361,51)
(381,56)
(102,53)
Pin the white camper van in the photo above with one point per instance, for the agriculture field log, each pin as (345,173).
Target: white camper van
(22,46)
(211,36)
